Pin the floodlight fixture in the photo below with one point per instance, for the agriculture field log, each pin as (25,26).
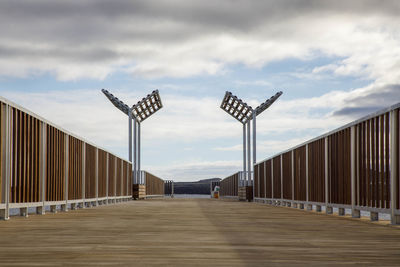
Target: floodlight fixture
(267,103)
(242,112)
(257,112)
(116,102)
(235,107)
(147,106)
(141,111)
(138,113)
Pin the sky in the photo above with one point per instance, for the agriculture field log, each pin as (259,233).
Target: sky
(335,61)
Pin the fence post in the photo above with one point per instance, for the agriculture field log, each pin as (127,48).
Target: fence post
(355,213)
(258,181)
(248,155)
(309,206)
(115,179)
(292,178)
(265,181)
(272,178)
(281,157)
(83,173)
(43,166)
(107,177)
(66,172)
(6,164)
(97,176)
(122,180)
(127,179)
(394,150)
(328,210)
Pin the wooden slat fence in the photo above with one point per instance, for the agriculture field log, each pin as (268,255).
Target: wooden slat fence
(154,185)
(229,186)
(354,167)
(44,165)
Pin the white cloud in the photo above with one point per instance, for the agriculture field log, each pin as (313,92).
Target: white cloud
(92,39)
(187,120)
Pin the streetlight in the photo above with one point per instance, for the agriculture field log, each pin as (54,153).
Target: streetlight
(245,113)
(257,112)
(141,111)
(241,112)
(138,112)
(125,109)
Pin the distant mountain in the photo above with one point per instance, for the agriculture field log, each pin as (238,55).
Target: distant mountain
(201,187)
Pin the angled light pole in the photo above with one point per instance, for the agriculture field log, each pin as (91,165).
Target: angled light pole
(125,109)
(141,111)
(243,113)
(257,112)
(138,112)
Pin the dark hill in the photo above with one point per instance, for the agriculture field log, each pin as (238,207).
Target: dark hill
(201,187)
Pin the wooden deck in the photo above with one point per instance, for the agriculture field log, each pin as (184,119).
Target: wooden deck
(195,232)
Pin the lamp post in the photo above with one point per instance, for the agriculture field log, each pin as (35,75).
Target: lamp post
(244,114)
(257,112)
(241,112)
(138,112)
(125,109)
(141,111)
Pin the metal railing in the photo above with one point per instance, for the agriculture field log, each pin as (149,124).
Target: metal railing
(354,167)
(44,165)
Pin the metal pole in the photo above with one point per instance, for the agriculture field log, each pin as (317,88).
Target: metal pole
(134,152)
(248,154)
(97,175)
(130,133)
(139,152)
(244,154)
(254,138)
(254,149)
(107,176)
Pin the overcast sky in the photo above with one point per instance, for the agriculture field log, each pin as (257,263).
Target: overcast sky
(335,61)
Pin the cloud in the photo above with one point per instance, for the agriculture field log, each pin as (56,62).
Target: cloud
(75,40)
(189,119)
(368,100)
(93,39)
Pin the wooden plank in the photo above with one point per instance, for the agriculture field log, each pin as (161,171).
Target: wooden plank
(373,154)
(20,163)
(23,178)
(387,155)
(28,160)
(217,235)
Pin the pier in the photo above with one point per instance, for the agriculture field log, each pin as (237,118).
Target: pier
(191,232)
